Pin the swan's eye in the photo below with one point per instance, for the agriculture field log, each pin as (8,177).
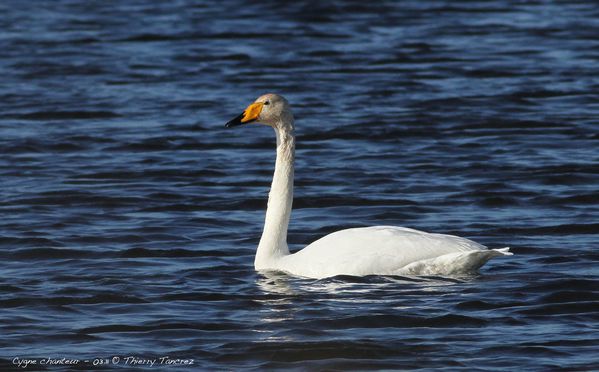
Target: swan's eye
(267,103)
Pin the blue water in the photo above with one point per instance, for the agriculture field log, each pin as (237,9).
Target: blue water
(130,215)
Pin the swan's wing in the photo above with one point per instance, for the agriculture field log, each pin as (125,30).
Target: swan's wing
(372,250)
(453,263)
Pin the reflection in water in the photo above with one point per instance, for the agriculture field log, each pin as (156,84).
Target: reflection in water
(277,304)
(350,288)
(275,282)
(301,307)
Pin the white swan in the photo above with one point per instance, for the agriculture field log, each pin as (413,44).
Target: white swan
(377,250)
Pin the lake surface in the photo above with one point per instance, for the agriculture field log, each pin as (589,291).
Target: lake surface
(130,215)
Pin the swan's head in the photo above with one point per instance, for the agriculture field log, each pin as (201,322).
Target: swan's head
(269,109)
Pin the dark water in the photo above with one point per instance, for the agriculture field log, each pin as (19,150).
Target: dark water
(130,216)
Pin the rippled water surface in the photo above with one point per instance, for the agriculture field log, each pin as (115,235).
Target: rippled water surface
(130,216)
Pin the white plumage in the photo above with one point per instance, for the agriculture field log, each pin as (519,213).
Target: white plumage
(387,250)
(377,250)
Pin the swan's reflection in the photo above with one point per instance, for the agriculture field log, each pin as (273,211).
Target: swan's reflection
(278,299)
(280,283)
(292,300)
(276,282)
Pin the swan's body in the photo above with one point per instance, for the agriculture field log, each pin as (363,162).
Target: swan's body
(377,250)
(386,250)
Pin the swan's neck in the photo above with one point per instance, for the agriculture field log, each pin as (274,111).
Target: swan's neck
(273,244)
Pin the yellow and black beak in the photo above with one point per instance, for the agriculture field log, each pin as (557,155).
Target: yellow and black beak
(251,113)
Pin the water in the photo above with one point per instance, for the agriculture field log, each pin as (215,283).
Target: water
(130,216)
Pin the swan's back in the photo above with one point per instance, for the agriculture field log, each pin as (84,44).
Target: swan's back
(382,250)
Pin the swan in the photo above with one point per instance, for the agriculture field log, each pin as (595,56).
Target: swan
(376,250)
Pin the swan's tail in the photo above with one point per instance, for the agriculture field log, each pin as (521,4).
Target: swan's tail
(454,263)
(504,251)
